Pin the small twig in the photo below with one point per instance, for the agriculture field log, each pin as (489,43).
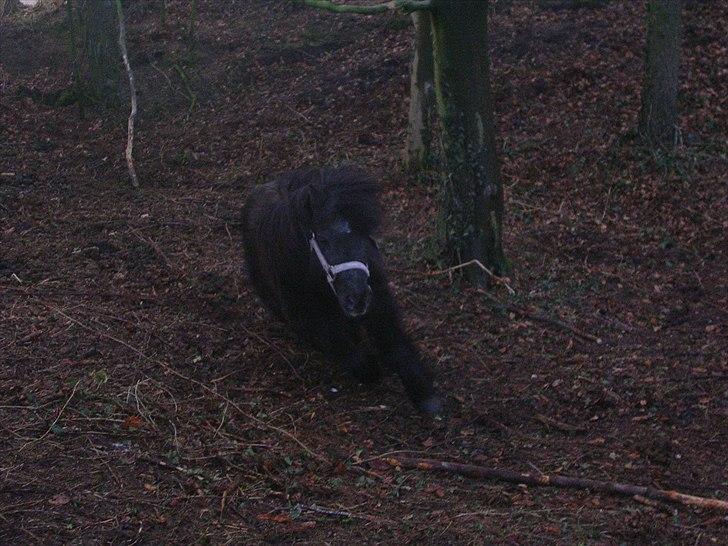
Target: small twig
(612,488)
(53,424)
(132,91)
(340,513)
(178,468)
(34,334)
(225,494)
(553,423)
(299,114)
(498,279)
(155,247)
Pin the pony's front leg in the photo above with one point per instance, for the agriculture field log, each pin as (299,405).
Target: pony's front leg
(399,353)
(340,341)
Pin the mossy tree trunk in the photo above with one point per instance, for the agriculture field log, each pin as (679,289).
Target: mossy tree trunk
(163,14)
(91,32)
(471,210)
(659,112)
(192,24)
(422,95)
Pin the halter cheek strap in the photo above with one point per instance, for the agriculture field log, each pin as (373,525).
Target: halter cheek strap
(332,270)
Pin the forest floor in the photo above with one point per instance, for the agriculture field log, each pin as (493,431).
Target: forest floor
(145,397)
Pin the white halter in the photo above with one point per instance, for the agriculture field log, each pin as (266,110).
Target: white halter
(332,270)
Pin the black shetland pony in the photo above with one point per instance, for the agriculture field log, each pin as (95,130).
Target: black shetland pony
(312,261)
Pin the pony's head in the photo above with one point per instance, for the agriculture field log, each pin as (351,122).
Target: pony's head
(342,255)
(343,212)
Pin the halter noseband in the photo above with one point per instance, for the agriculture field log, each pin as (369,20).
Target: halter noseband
(332,270)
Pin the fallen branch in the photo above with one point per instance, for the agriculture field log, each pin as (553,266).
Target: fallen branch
(406,6)
(543,318)
(654,504)
(612,488)
(499,280)
(132,91)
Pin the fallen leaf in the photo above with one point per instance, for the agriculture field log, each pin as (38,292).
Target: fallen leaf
(276,518)
(59,500)
(379,464)
(132,422)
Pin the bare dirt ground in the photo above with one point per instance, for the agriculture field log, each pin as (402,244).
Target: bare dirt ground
(146,398)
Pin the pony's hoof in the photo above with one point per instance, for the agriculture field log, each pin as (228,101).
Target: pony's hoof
(431,406)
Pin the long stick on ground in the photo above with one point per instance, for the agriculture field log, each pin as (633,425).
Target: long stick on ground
(612,488)
(132,91)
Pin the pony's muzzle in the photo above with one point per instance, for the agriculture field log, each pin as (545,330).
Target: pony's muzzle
(356,304)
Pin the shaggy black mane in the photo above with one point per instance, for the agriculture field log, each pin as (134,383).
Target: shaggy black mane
(310,198)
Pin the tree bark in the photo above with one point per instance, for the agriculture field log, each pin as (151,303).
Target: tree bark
(192,23)
(471,211)
(658,115)
(422,95)
(132,93)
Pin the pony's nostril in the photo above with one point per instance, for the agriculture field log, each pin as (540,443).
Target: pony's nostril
(356,303)
(361,304)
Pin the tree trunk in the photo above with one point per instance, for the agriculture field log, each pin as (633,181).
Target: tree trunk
(8,6)
(658,115)
(163,14)
(471,211)
(192,24)
(422,95)
(91,27)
